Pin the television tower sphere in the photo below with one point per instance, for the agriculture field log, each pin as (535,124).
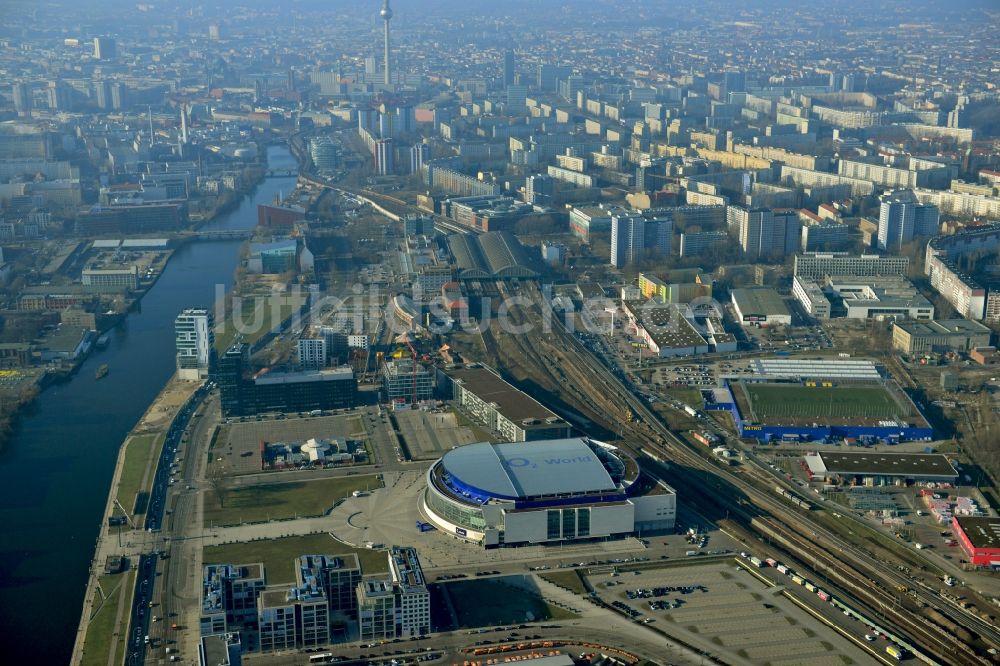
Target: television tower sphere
(385,12)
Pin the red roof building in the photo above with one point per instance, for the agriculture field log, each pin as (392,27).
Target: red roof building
(980,539)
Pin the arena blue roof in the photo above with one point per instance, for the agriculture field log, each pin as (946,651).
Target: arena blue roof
(529,469)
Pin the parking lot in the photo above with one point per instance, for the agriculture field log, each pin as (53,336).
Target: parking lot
(734,610)
(428,435)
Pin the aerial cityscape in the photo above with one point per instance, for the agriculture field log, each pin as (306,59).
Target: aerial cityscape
(574,333)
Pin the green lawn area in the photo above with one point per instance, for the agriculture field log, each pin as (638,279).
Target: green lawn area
(137,456)
(97,644)
(278,555)
(489,602)
(569,579)
(686,394)
(258,316)
(809,401)
(281,500)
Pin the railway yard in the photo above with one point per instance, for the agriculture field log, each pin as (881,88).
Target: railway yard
(856,562)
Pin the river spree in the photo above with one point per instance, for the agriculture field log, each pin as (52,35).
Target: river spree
(56,470)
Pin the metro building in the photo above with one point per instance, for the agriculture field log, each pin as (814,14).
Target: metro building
(543,492)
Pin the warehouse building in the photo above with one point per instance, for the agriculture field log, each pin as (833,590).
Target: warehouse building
(543,492)
(880,469)
(918,337)
(513,415)
(980,539)
(665,330)
(760,306)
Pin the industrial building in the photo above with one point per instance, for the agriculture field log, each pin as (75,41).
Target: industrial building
(880,469)
(918,337)
(980,539)
(515,416)
(760,306)
(664,328)
(492,256)
(543,492)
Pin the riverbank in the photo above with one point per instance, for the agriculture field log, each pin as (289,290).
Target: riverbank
(102,623)
(61,458)
(14,404)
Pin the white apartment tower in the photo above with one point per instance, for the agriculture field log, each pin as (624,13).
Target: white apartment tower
(194,336)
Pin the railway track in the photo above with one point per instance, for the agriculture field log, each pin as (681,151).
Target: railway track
(584,382)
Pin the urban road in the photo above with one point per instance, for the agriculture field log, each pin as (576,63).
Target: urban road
(139,639)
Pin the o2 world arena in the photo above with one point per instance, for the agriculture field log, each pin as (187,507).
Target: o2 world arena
(544,491)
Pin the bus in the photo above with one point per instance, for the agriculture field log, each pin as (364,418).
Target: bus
(321,658)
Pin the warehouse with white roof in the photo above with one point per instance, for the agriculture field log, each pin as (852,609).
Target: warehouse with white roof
(545,491)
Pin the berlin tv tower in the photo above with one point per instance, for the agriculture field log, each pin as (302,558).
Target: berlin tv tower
(386,14)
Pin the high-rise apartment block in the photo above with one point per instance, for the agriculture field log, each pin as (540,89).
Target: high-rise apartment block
(634,237)
(765,233)
(194,336)
(902,218)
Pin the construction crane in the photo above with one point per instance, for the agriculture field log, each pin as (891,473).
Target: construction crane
(413,351)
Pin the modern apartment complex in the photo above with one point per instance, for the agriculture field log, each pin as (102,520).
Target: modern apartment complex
(398,606)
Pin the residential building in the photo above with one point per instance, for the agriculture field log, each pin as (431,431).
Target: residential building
(376,601)
(765,233)
(902,218)
(413,600)
(311,352)
(229,597)
(276,611)
(397,606)
(634,237)
(973,296)
(825,235)
(221,649)
(194,339)
(701,242)
(339,575)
